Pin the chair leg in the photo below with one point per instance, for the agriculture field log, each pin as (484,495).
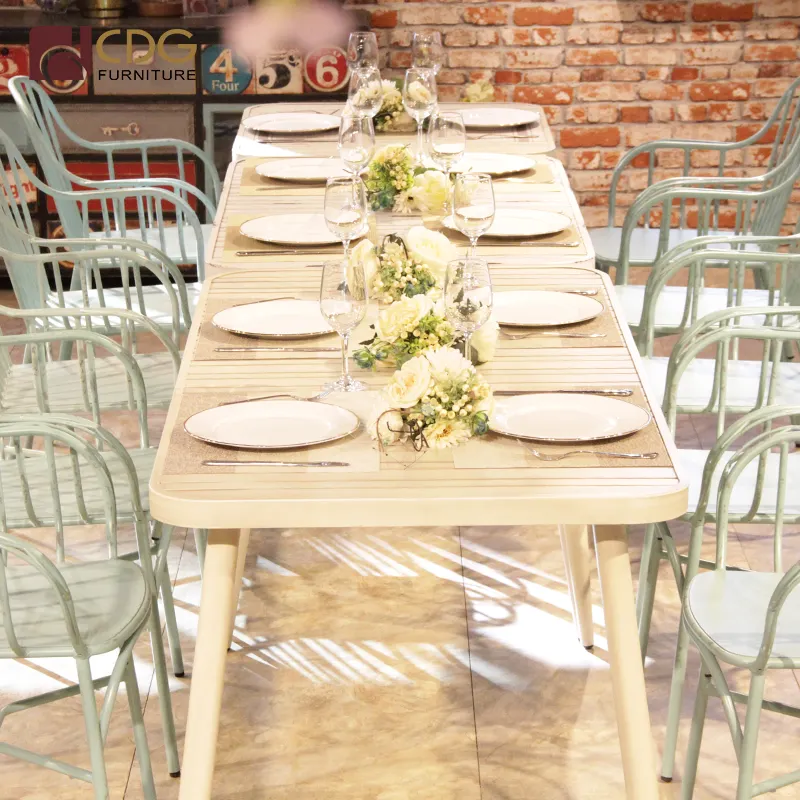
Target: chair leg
(164,698)
(646,591)
(139,733)
(94,737)
(696,736)
(173,636)
(200,542)
(747,758)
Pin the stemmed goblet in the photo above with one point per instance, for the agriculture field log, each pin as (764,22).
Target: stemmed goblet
(356,142)
(362,50)
(419,100)
(447,141)
(427,51)
(467,296)
(345,208)
(473,206)
(365,93)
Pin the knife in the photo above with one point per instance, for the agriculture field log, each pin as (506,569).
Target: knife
(213,463)
(277,349)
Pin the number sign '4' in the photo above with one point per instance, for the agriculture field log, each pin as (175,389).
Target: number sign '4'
(326,69)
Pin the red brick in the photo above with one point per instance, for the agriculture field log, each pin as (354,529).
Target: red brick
(771,88)
(594,74)
(719,91)
(664,12)
(723,12)
(606,12)
(544,15)
(777,8)
(593,34)
(771,70)
(771,52)
(746,131)
(384,19)
(684,73)
(723,112)
(400,59)
(461,38)
(546,36)
(595,136)
(486,15)
(641,161)
(650,55)
(694,112)
(577,56)
(544,95)
(486,59)
(712,54)
(606,92)
(535,57)
(507,76)
(635,113)
(660,91)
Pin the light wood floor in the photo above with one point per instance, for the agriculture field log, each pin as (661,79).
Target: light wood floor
(402,664)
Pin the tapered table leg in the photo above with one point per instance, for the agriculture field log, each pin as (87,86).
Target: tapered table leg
(577,560)
(208,670)
(627,673)
(244,541)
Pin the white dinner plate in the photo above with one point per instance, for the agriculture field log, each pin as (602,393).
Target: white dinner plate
(494,163)
(541,309)
(272,424)
(299,229)
(498,117)
(292,122)
(511,223)
(566,417)
(302,170)
(286,317)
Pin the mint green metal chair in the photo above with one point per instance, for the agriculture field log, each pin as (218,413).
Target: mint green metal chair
(156,216)
(69,609)
(746,619)
(771,382)
(46,127)
(641,244)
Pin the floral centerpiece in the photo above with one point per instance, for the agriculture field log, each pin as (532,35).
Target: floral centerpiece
(436,399)
(405,329)
(389,176)
(391,115)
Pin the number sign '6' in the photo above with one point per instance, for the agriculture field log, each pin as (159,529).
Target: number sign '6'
(326,69)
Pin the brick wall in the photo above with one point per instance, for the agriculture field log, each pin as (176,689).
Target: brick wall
(611,75)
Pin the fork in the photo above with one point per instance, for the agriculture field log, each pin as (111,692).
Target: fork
(515,336)
(324,393)
(560,456)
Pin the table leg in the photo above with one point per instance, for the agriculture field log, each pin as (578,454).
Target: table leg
(577,561)
(208,669)
(244,541)
(627,673)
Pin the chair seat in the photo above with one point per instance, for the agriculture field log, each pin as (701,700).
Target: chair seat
(643,243)
(672,300)
(693,462)
(172,241)
(65,384)
(38,478)
(696,384)
(111,601)
(730,608)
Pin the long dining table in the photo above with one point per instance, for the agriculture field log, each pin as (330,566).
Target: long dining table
(482,483)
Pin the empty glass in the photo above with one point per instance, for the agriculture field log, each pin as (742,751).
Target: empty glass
(343,303)
(362,50)
(473,206)
(447,140)
(365,94)
(427,50)
(356,142)
(467,296)
(419,99)
(345,208)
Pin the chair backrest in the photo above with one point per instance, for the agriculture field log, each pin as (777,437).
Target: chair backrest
(783,125)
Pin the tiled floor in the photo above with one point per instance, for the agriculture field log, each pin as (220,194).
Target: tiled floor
(403,664)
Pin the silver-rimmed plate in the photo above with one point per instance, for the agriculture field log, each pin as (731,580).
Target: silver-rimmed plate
(292,122)
(543,309)
(294,229)
(497,116)
(272,424)
(566,417)
(283,318)
(302,170)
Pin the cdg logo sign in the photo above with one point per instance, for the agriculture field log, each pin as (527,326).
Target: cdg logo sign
(138,56)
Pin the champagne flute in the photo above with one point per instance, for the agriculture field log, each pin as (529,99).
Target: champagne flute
(419,99)
(447,140)
(427,50)
(473,206)
(343,303)
(365,94)
(356,142)
(467,296)
(362,50)
(345,208)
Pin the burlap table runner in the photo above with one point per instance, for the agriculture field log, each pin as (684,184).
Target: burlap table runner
(503,452)
(185,454)
(254,185)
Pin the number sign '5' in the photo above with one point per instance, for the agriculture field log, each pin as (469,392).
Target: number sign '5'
(326,69)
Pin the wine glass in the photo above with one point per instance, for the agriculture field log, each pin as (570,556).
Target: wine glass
(356,142)
(467,296)
(345,208)
(365,94)
(362,50)
(343,303)
(447,140)
(473,206)
(419,99)
(427,50)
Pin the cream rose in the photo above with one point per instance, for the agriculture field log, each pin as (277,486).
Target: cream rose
(483,342)
(447,364)
(419,93)
(431,191)
(409,383)
(363,253)
(432,248)
(402,317)
(447,433)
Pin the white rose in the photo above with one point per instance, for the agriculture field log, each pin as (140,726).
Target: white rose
(387,424)
(431,191)
(484,341)
(409,383)
(419,93)
(447,433)
(432,248)
(363,253)
(402,316)
(447,364)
